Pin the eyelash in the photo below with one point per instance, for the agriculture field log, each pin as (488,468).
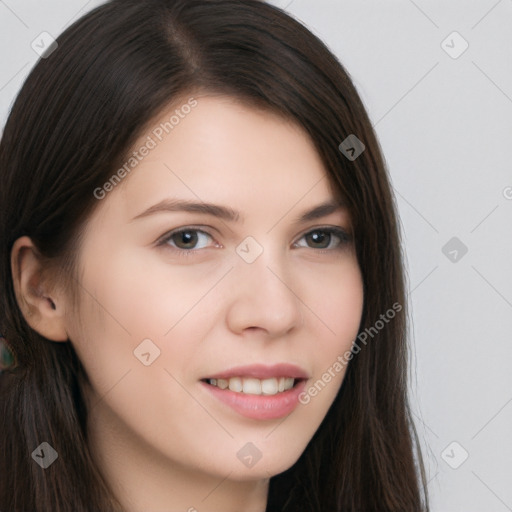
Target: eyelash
(341,234)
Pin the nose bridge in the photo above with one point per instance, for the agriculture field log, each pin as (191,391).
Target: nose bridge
(263,294)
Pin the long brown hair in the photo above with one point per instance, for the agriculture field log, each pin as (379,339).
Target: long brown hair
(75,117)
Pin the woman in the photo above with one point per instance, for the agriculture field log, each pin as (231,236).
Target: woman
(201,278)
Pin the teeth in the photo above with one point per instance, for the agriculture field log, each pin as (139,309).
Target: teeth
(269,386)
(235,384)
(222,383)
(252,386)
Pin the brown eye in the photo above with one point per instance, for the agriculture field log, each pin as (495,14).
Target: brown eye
(325,238)
(319,239)
(187,239)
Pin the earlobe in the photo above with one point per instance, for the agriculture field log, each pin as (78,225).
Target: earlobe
(39,301)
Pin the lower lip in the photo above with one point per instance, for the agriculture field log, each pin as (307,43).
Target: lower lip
(259,407)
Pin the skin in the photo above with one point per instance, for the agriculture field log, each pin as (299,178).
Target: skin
(157,435)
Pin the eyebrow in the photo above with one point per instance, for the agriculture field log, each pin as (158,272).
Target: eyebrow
(228,214)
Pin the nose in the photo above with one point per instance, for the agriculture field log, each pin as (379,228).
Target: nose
(263,299)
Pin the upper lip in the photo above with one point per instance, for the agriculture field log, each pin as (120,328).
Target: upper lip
(262,371)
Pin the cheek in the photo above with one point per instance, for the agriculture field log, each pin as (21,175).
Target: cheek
(151,297)
(123,309)
(336,306)
(128,299)
(334,296)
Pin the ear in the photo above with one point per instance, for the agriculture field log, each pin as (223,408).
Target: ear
(39,301)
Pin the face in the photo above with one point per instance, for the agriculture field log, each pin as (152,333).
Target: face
(211,266)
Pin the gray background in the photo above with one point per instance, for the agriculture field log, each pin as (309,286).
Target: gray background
(444,124)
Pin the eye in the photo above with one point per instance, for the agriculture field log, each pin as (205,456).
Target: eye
(325,238)
(186,239)
(189,239)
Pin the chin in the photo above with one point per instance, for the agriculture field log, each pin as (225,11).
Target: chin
(264,469)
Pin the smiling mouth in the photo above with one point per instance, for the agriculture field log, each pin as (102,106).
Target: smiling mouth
(253,386)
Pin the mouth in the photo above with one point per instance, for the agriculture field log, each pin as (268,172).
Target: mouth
(259,392)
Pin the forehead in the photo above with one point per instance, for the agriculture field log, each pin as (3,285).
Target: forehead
(222,151)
